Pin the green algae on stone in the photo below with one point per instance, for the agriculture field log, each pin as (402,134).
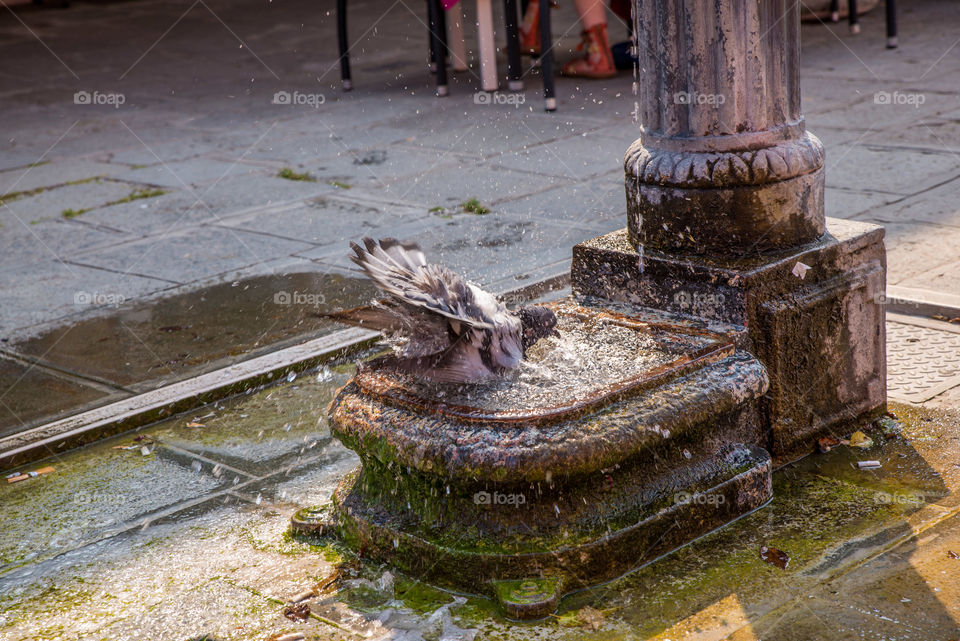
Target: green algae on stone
(289,174)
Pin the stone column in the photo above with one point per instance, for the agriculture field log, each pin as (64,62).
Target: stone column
(724,165)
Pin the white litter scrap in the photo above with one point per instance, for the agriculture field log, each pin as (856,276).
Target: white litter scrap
(868,465)
(800,270)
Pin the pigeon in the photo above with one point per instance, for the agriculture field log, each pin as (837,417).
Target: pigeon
(447,330)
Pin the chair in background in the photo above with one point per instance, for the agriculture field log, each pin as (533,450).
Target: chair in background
(514,63)
(439,48)
(854,19)
(437,37)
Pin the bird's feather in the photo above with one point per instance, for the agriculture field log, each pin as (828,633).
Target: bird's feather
(446,329)
(401,271)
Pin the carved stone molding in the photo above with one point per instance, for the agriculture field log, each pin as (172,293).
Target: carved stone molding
(707,169)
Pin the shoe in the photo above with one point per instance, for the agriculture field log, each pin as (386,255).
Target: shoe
(598,61)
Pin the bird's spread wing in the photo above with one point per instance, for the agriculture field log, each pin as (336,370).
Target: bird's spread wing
(402,272)
(422,333)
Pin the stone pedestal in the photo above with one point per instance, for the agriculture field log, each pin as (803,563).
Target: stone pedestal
(534,488)
(811,315)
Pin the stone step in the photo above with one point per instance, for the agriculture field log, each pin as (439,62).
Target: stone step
(624,533)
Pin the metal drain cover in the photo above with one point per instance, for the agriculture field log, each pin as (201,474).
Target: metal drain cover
(923,357)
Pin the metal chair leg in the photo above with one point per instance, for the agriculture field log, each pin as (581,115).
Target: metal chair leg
(853,18)
(344,45)
(438,41)
(546,58)
(514,68)
(892,24)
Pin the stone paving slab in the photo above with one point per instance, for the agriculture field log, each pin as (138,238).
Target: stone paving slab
(179,209)
(22,385)
(918,248)
(59,291)
(192,172)
(940,278)
(940,132)
(907,593)
(378,169)
(44,240)
(845,203)
(52,203)
(891,170)
(938,206)
(486,248)
(55,173)
(449,185)
(326,221)
(189,256)
(95,494)
(588,154)
(598,203)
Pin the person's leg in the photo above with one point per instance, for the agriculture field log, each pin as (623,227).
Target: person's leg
(597,61)
(591,12)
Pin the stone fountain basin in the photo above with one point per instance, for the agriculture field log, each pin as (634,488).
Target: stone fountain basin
(643,383)
(599,358)
(627,436)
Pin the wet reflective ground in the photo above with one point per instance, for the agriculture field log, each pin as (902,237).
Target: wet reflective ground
(184,534)
(142,346)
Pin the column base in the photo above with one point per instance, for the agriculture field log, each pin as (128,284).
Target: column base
(813,316)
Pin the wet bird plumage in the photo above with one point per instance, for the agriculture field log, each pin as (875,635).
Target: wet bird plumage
(448,329)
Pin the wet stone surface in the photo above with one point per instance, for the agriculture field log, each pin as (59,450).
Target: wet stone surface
(33,395)
(141,346)
(591,355)
(220,562)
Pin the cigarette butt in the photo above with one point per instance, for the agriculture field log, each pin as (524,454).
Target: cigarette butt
(868,465)
(23,476)
(303,596)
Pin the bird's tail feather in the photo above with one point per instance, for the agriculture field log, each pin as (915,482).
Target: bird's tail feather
(380,259)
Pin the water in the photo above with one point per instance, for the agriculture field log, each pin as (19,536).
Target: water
(591,355)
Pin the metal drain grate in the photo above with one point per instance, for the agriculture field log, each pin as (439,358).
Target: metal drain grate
(923,358)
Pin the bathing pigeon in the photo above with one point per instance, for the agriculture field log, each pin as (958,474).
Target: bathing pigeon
(448,330)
